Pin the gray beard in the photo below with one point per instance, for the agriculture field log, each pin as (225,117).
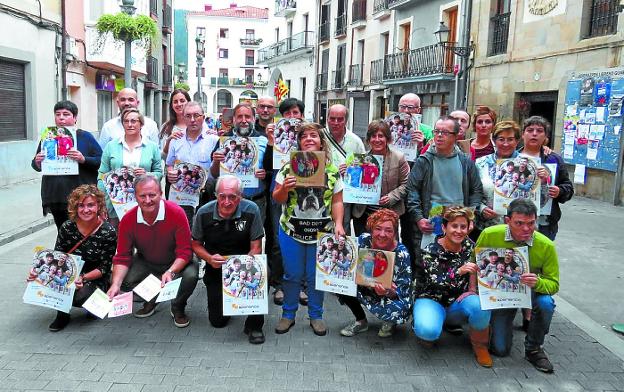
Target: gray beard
(243,131)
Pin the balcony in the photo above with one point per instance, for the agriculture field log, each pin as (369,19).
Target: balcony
(151,81)
(153,9)
(341,26)
(437,59)
(324,32)
(250,42)
(285,7)
(499,25)
(303,41)
(338,79)
(321,82)
(358,13)
(167,80)
(108,54)
(380,9)
(355,76)
(394,4)
(222,81)
(376,71)
(167,21)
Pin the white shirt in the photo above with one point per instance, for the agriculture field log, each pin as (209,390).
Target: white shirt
(113,130)
(160,216)
(131,158)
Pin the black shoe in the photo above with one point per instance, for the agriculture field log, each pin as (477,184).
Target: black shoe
(455,330)
(525,324)
(278,297)
(60,322)
(255,337)
(539,360)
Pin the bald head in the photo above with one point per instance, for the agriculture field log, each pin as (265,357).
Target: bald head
(266,110)
(463,118)
(127,98)
(409,103)
(337,121)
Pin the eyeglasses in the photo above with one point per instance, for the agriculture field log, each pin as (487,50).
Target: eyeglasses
(131,121)
(443,132)
(267,107)
(193,116)
(409,107)
(228,197)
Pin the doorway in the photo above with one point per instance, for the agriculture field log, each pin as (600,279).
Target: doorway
(542,103)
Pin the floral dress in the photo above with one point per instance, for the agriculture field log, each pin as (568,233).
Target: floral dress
(441,282)
(396,310)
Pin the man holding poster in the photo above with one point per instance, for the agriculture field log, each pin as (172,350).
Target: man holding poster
(227,226)
(543,278)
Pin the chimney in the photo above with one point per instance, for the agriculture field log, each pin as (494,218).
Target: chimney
(207,7)
(232,5)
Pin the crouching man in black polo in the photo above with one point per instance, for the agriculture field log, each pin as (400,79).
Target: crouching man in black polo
(227,226)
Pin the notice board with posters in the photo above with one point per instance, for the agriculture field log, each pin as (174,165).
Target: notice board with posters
(592,121)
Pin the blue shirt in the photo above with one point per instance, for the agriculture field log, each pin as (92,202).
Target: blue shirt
(198,151)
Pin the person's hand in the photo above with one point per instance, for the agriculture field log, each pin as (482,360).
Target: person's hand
(342,169)
(218,156)
(530,279)
(468,268)
(76,155)
(425,226)
(488,213)
(547,150)
(383,200)
(172,175)
(139,171)
(380,290)
(176,134)
(39,158)
(216,260)
(339,230)
(260,174)
(166,278)
(113,291)
(289,182)
(553,191)
(32,275)
(418,136)
(79,282)
(543,174)
(270,131)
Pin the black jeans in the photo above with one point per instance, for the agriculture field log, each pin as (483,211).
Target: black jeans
(59,212)
(214,290)
(354,305)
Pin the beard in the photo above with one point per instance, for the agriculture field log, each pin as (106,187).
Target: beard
(244,131)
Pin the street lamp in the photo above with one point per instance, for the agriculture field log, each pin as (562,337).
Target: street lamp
(127,7)
(200,40)
(442,33)
(181,72)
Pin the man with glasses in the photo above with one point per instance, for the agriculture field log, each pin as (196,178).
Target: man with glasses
(227,226)
(266,113)
(410,104)
(442,175)
(195,147)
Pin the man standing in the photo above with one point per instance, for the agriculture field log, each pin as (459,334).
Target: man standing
(155,238)
(463,118)
(266,113)
(113,129)
(195,147)
(410,104)
(227,226)
(543,279)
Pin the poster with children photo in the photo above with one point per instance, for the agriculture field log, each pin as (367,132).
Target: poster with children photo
(362,179)
(54,276)
(55,144)
(374,266)
(335,264)
(308,167)
(119,186)
(189,183)
(499,277)
(545,200)
(402,127)
(244,279)
(240,159)
(516,179)
(285,140)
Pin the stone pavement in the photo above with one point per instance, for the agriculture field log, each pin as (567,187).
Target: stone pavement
(129,354)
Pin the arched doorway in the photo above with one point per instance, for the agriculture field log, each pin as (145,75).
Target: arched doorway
(224,100)
(250,97)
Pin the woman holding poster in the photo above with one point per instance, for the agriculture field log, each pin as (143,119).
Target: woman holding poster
(130,151)
(394,175)
(448,291)
(306,211)
(87,235)
(392,306)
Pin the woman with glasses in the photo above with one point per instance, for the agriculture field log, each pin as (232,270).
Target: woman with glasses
(132,151)
(483,121)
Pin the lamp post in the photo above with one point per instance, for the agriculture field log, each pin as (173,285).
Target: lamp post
(463,52)
(127,7)
(200,40)
(181,72)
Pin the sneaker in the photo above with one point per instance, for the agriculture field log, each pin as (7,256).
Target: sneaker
(180,319)
(147,310)
(60,322)
(539,360)
(318,326)
(303,298)
(386,330)
(255,337)
(284,325)
(278,297)
(354,328)
(455,330)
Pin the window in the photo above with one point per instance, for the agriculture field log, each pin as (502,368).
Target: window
(601,17)
(12,100)
(250,34)
(499,28)
(223,72)
(249,57)
(223,53)
(224,33)
(249,76)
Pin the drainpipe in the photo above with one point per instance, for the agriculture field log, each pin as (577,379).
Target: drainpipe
(466,15)
(63,53)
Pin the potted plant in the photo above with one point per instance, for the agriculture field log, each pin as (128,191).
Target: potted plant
(124,27)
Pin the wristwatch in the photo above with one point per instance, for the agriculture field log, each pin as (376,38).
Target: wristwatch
(171,272)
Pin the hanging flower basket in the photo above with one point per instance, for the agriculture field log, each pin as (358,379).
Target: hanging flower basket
(122,27)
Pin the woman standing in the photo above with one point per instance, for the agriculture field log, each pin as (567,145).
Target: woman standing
(175,127)
(393,177)
(129,151)
(483,121)
(305,212)
(448,292)
(86,234)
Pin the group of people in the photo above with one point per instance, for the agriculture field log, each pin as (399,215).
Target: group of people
(435,288)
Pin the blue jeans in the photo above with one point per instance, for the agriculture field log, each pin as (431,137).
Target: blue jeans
(429,316)
(502,326)
(299,261)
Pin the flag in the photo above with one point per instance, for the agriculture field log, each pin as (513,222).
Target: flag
(280,90)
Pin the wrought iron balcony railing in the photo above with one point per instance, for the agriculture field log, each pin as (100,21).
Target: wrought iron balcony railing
(355,75)
(341,25)
(358,11)
(302,40)
(324,32)
(428,60)
(376,71)
(338,79)
(321,82)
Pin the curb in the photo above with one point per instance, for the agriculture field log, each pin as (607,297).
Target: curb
(23,231)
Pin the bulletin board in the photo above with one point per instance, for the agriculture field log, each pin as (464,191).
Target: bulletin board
(592,122)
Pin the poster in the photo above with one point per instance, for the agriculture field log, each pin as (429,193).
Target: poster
(241,159)
(55,144)
(499,277)
(402,128)
(285,140)
(308,167)
(435,219)
(375,266)
(54,285)
(119,186)
(245,285)
(516,178)
(191,179)
(545,200)
(362,179)
(335,264)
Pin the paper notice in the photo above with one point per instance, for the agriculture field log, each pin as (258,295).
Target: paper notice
(98,304)
(148,288)
(122,305)
(170,291)
(579,174)
(568,151)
